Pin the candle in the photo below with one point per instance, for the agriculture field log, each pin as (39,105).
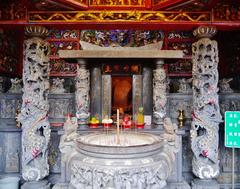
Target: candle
(118,139)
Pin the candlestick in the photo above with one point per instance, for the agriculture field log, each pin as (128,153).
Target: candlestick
(181,117)
(118,139)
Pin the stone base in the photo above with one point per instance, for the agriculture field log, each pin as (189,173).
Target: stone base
(60,186)
(229,186)
(83,126)
(177,185)
(42,184)
(205,184)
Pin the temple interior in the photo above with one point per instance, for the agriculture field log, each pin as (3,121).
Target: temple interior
(119,94)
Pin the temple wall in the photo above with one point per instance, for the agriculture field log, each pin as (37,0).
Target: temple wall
(60,104)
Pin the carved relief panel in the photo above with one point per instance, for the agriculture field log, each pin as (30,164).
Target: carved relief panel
(60,107)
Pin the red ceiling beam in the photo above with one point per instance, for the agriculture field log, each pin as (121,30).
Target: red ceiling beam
(72,4)
(170,3)
(124,25)
(212,3)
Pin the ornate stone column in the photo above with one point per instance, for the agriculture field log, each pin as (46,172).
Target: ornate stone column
(206,112)
(96,82)
(34,110)
(159,93)
(147,90)
(82,92)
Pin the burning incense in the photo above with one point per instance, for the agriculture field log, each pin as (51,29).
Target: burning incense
(118,137)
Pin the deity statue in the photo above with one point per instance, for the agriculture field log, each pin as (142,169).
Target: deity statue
(16,86)
(57,86)
(224,85)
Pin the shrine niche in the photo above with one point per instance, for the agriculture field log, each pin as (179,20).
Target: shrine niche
(122,94)
(121,80)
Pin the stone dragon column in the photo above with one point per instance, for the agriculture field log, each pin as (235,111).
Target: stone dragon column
(82,93)
(35,107)
(159,93)
(206,113)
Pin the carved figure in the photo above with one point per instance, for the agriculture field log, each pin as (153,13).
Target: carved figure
(1,84)
(224,85)
(170,129)
(184,85)
(57,86)
(206,112)
(159,95)
(170,135)
(34,110)
(82,94)
(66,144)
(16,86)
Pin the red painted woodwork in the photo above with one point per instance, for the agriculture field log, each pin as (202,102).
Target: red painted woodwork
(73,4)
(224,26)
(168,3)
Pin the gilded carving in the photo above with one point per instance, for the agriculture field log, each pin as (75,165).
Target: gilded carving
(13,11)
(127,16)
(117,3)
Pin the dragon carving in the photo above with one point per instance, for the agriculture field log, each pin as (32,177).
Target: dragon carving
(206,112)
(34,110)
(82,94)
(159,94)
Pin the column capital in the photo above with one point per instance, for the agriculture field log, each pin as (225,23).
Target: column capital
(205,31)
(36,31)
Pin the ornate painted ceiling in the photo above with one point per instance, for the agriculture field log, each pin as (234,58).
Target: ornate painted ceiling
(133,14)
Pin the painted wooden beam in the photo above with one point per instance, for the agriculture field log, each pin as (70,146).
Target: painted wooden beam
(151,54)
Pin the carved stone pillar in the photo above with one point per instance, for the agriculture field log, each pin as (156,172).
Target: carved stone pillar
(96,82)
(206,112)
(34,110)
(82,92)
(159,93)
(147,90)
